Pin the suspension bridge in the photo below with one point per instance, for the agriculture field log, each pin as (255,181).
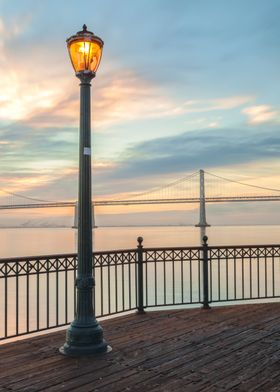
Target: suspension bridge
(200,187)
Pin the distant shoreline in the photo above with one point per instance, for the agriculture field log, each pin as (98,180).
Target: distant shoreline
(134,226)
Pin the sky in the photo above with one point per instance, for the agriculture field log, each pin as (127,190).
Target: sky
(183,85)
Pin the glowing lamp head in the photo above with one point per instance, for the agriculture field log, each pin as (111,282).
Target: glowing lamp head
(85,51)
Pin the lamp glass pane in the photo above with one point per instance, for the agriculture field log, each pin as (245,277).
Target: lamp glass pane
(85,55)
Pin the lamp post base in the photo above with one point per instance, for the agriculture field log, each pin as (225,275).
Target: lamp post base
(84,340)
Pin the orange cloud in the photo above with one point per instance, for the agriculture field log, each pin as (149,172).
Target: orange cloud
(30,183)
(54,101)
(129,98)
(22,184)
(260,114)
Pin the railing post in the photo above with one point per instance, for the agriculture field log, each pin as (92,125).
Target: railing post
(205,274)
(140,283)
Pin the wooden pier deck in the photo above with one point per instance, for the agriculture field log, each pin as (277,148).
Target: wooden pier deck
(233,348)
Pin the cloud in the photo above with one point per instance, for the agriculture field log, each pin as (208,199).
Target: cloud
(148,162)
(13,29)
(213,124)
(33,160)
(58,185)
(61,111)
(120,99)
(130,98)
(260,114)
(121,96)
(143,165)
(225,103)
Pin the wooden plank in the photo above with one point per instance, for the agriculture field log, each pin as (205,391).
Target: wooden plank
(226,348)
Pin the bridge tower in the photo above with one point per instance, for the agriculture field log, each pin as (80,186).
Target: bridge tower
(202,207)
(75,226)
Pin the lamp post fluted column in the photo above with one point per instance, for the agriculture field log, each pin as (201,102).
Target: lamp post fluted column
(85,335)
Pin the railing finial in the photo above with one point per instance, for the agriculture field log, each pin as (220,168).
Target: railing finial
(140,240)
(205,239)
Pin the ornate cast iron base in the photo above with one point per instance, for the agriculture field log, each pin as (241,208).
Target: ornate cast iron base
(81,340)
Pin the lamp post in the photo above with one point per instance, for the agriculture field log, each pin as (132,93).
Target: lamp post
(85,335)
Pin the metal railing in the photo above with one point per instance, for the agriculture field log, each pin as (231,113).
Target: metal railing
(38,293)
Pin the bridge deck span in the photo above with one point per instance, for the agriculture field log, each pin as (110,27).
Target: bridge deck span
(143,202)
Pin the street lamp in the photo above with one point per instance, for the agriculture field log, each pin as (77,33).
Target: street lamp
(85,335)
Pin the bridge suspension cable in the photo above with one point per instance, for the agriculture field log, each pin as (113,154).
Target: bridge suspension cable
(242,183)
(24,197)
(166,186)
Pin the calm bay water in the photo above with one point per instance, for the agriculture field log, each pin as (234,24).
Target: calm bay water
(43,241)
